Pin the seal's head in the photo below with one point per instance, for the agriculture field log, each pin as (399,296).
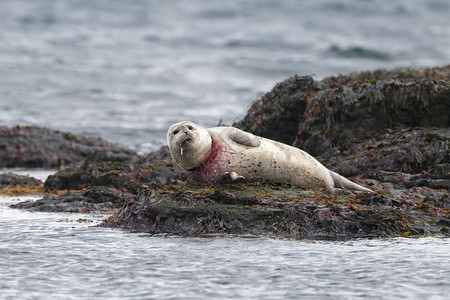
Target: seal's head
(189,144)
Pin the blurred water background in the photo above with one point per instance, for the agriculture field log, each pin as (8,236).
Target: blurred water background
(127,70)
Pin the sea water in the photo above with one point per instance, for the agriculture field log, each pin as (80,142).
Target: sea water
(127,70)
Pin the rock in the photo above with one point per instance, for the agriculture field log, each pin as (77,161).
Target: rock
(277,114)
(99,186)
(411,150)
(320,115)
(270,210)
(161,155)
(96,199)
(14,185)
(9,180)
(35,147)
(119,175)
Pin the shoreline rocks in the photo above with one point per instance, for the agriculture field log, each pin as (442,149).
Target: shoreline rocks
(93,200)
(10,180)
(12,184)
(389,130)
(36,147)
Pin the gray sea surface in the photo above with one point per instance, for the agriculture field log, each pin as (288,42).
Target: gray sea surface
(127,70)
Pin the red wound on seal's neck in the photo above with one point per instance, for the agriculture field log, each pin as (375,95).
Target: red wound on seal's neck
(207,170)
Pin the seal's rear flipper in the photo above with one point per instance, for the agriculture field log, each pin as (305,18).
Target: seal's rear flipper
(344,183)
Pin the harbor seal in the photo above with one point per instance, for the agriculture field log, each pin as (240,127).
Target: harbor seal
(226,152)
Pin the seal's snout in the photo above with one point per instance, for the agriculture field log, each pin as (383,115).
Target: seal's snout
(187,129)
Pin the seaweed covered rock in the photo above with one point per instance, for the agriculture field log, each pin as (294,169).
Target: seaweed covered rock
(35,147)
(12,184)
(276,115)
(342,110)
(9,180)
(411,150)
(98,185)
(273,210)
(119,175)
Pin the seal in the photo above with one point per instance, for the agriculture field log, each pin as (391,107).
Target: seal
(229,154)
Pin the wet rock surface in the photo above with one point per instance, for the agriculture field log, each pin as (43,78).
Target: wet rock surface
(99,186)
(388,130)
(96,199)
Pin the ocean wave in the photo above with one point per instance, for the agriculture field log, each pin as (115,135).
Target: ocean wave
(357,52)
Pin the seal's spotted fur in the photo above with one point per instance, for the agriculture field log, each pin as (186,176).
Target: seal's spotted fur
(207,154)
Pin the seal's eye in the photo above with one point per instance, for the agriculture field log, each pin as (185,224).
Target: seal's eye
(190,127)
(175,131)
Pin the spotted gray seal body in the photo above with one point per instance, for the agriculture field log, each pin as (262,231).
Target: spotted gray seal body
(208,154)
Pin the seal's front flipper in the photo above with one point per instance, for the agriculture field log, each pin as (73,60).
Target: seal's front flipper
(244,138)
(231,177)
